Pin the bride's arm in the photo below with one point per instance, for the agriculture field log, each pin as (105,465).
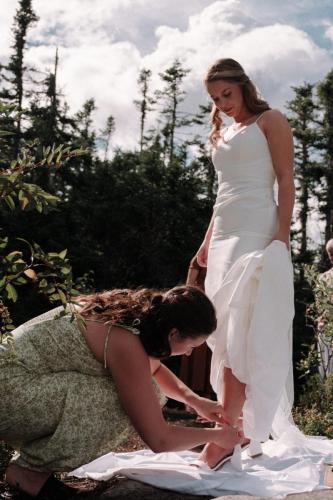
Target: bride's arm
(202,253)
(280,142)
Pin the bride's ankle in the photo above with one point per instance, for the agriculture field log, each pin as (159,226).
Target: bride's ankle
(212,454)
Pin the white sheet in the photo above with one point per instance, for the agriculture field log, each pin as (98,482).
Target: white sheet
(278,472)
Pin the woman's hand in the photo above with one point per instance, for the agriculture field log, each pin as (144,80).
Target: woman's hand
(282,236)
(202,254)
(209,410)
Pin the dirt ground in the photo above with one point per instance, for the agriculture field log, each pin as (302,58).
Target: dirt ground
(121,487)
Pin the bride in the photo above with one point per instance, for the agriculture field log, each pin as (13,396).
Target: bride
(247,254)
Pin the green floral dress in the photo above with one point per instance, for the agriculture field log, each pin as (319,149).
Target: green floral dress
(59,406)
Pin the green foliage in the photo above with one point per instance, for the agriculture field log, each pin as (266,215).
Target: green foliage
(314,413)
(50,272)
(314,422)
(320,316)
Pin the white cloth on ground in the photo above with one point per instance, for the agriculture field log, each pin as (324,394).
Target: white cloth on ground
(281,470)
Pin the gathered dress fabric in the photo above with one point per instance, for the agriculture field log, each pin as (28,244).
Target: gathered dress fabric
(59,405)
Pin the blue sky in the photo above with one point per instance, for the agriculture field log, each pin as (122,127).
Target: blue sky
(104,43)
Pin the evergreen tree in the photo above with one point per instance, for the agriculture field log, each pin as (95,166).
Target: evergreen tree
(84,121)
(325,93)
(303,120)
(107,133)
(170,98)
(145,103)
(15,70)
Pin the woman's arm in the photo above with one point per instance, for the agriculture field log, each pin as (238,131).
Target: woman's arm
(202,253)
(130,370)
(280,142)
(174,388)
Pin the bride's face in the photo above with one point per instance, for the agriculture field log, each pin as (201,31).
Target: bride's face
(227,96)
(179,345)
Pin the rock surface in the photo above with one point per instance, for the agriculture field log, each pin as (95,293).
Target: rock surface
(123,488)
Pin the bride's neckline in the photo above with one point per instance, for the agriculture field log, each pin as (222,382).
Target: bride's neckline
(238,130)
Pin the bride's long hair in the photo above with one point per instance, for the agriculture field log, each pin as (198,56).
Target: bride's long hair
(230,70)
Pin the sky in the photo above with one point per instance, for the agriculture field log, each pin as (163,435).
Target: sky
(103,44)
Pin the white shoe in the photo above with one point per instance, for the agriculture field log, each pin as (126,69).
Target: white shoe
(255,449)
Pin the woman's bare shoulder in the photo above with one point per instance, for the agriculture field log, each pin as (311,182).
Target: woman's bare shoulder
(273,116)
(273,120)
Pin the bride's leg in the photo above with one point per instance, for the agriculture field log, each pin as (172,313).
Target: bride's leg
(233,397)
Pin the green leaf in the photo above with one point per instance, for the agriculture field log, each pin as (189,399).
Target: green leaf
(39,207)
(10,202)
(11,292)
(63,254)
(20,281)
(24,203)
(62,296)
(43,283)
(50,158)
(3,242)
(54,297)
(14,255)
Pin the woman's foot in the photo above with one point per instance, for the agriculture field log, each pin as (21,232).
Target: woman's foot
(214,456)
(27,480)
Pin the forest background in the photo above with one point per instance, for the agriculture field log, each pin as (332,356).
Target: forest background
(79,213)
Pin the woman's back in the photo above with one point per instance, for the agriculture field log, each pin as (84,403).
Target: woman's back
(53,345)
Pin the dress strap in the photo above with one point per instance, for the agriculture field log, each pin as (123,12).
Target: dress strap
(132,329)
(106,344)
(260,116)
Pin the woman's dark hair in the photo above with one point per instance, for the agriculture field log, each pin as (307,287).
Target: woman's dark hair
(154,313)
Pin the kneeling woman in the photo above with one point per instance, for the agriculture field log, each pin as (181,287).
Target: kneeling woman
(72,390)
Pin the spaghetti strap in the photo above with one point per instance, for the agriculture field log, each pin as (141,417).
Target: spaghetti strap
(260,116)
(132,329)
(106,344)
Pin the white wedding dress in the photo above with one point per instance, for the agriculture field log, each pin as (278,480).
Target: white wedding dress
(245,220)
(250,282)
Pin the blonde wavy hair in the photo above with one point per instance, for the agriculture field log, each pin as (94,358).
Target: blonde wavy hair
(230,70)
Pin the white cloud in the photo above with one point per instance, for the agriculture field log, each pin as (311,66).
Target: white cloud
(103,44)
(329,30)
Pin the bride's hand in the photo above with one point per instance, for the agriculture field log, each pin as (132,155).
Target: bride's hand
(202,254)
(282,236)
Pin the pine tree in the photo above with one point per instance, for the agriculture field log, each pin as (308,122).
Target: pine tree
(84,122)
(325,94)
(170,98)
(106,134)
(145,104)
(15,71)
(303,120)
